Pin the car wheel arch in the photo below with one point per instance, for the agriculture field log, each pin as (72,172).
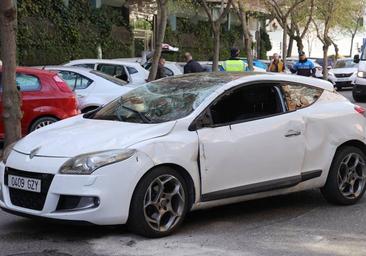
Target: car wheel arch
(38,118)
(355,143)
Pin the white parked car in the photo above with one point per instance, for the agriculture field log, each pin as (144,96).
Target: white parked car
(93,88)
(189,142)
(344,73)
(131,72)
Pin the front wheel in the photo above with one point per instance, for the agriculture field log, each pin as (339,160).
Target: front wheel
(159,204)
(347,177)
(356,97)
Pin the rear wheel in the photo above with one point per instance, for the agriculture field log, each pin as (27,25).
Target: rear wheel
(347,177)
(42,122)
(159,204)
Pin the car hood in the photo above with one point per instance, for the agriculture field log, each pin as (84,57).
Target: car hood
(343,70)
(77,136)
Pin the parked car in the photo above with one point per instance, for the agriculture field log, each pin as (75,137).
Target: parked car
(344,73)
(46,98)
(170,68)
(359,87)
(93,88)
(131,72)
(189,142)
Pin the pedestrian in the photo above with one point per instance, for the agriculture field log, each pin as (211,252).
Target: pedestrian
(276,64)
(303,67)
(192,66)
(234,64)
(161,69)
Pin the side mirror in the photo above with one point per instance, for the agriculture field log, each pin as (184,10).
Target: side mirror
(356,58)
(204,120)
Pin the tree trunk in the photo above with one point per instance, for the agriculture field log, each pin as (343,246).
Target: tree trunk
(11,97)
(162,16)
(247,37)
(336,49)
(284,42)
(352,40)
(216,57)
(290,46)
(325,64)
(300,44)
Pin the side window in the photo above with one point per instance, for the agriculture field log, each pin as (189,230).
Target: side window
(91,66)
(27,82)
(300,96)
(74,80)
(131,70)
(247,103)
(107,69)
(168,72)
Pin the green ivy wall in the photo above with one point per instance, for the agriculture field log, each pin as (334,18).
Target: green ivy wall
(51,33)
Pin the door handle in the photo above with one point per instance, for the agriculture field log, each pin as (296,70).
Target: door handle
(292,133)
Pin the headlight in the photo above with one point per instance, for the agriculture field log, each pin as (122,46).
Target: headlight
(88,163)
(361,74)
(7,152)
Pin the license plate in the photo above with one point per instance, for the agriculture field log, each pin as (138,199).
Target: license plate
(343,80)
(22,183)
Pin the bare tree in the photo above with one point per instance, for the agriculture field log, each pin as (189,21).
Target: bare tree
(11,98)
(216,27)
(301,19)
(247,37)
(355,20)
(329,15)
(161,23)
(282,9)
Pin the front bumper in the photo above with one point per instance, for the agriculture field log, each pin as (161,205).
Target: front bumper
(113,185)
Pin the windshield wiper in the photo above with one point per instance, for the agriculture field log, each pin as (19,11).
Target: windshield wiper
(143,117)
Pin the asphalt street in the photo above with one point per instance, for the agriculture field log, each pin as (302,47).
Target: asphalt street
(297,224)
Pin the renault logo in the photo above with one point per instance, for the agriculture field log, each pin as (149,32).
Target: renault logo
(34,152)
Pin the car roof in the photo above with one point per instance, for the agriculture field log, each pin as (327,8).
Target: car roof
(243,77)
(104,61)
(33,70)
(68,68)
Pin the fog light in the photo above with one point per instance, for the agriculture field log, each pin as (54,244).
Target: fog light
(77,203)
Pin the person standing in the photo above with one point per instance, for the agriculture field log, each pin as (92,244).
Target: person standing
(276,64)
(303,67)
(234,64)
(161,69)
(192,66)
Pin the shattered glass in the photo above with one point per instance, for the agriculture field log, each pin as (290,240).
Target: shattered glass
(164,100)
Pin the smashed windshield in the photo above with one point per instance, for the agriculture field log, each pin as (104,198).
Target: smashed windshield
(163,100)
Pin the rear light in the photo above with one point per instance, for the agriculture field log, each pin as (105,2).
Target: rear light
(360,110)
(61,84)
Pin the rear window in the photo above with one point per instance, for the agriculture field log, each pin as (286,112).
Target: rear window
(300,96)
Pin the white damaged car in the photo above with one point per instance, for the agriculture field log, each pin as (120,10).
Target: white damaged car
(189,142)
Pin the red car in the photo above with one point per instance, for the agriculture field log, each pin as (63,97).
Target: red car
(46,98)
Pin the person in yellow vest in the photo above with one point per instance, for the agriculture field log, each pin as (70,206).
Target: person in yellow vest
(276,64)
(234,64)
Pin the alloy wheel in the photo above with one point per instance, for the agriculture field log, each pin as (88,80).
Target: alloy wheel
(351,176)
(43,124)
(164,203)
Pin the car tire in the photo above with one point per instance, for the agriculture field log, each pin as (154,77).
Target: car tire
(346,180)
(357,97)
(157,214)
(42,122)
(339,88)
